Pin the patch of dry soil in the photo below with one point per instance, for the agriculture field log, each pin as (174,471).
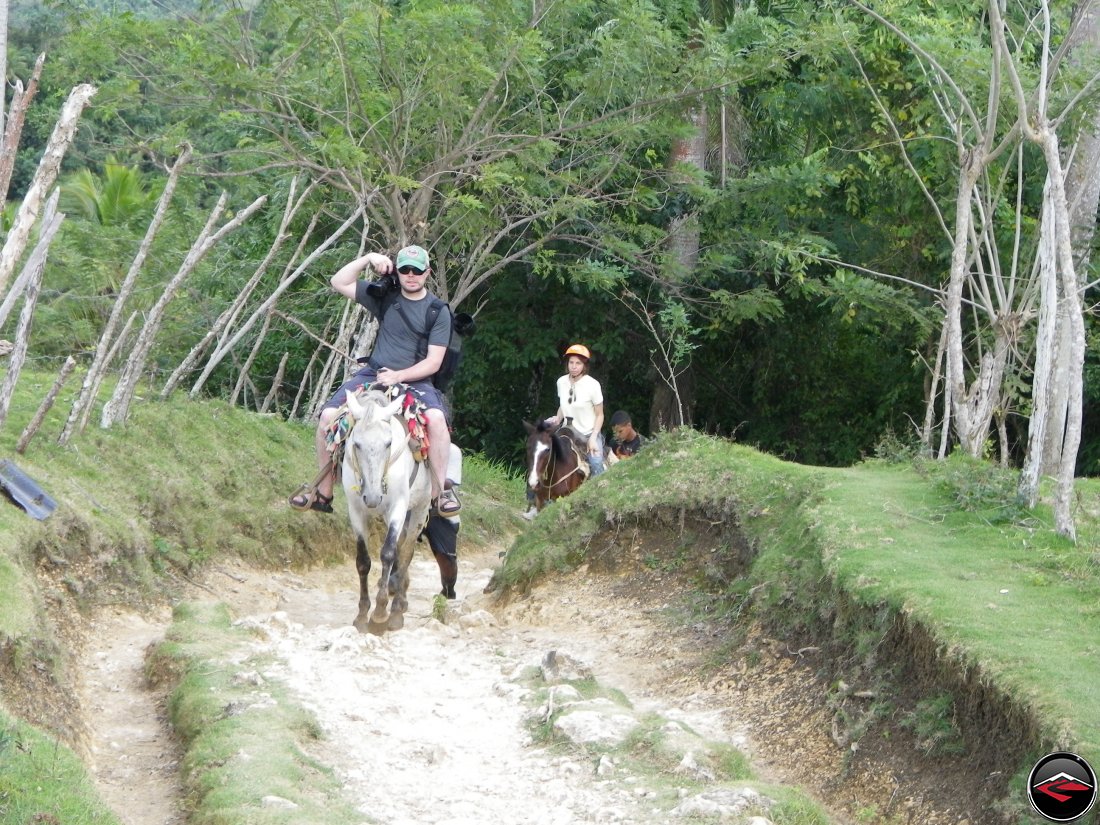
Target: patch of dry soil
(430,713)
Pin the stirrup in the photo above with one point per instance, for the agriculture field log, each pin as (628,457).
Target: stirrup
(306,497)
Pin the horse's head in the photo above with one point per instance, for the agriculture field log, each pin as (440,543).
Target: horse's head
(539,448)
(372,445)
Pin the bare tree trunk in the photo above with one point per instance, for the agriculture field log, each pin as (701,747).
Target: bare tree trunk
(119,344)
(78,415)
(37,264)
(269,302)
(48,167)
(304,384)
(324,386)
(1037,127)
(230,315)
(3,65)
(20,283)
(118,407)
(43,408)
(1002,436)
(1074,354)
(1046,343)
(276,383)
(250,360)
(933,394)
(671,407)
(1083,198)
(321,345)
(12,132)
(956,375)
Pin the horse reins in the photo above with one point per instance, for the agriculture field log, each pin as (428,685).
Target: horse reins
(550,464)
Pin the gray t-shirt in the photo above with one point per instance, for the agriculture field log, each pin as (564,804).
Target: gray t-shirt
(397,342)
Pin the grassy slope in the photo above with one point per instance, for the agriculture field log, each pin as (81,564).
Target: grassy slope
(893,539)
(1017,600)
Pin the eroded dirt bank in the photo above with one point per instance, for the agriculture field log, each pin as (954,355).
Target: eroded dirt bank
(456,748)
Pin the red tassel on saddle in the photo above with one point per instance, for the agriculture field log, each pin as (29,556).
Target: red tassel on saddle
(418,430)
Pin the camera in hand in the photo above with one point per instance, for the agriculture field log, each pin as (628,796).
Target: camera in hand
(380,287)
(464,324)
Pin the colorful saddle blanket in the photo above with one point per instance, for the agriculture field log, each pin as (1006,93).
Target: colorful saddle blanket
(412,410)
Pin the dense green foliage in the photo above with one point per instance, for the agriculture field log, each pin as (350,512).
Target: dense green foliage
(532,156)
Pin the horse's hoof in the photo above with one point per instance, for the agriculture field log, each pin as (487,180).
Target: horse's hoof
(396,622)
(376,629)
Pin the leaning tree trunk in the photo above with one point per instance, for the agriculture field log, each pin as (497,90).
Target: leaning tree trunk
(229,316)
(16,242)
(36,263)
(78,413)
(43,408)
(269,302)
(117,409)
(250,360)
(13,130)
(276,384)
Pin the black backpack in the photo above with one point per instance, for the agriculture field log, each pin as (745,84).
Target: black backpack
(461,326)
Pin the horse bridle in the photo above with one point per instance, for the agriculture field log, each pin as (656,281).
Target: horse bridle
(548,472)
(395,449)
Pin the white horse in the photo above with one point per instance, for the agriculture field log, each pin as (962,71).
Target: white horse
(389,496)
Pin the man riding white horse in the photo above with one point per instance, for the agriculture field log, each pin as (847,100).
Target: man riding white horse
(401,299)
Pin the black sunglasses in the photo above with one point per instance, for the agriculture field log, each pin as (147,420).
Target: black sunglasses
(572,394)
(405,270)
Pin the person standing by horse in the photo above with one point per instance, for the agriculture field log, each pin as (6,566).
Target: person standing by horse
(580,405)
(402,301)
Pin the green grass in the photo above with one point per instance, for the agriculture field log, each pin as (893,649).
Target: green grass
(1014,600)
(41,780)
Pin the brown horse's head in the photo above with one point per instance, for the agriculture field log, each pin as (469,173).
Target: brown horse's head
(553,467)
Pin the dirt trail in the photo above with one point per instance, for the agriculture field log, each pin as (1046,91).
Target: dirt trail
(429,708)
(133,756)
(431,714)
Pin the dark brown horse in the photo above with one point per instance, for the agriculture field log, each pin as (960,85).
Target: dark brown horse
(554,466)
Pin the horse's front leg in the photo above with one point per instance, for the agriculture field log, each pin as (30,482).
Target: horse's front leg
(388,557)
(399,579)
(362,566)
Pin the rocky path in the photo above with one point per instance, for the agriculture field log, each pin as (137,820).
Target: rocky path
(433,714)
(430,725)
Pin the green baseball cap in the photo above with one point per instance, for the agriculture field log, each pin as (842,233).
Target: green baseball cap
(413,256)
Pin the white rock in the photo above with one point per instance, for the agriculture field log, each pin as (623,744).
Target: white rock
(721,802)
(586,727)
(278,802)
(564,694)
(479,618)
